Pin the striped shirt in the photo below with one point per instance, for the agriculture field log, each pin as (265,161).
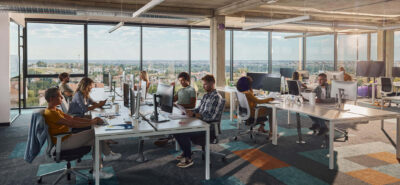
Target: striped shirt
(211,106)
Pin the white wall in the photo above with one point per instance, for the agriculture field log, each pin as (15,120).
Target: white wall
(5,68)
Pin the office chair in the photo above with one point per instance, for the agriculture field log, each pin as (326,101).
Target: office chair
(386,88)
(215,131)
(54,152)
(64,105)
(243,116)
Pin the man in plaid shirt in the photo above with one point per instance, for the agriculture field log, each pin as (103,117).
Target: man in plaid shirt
(210,110)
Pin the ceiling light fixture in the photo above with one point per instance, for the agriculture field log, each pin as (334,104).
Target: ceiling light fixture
(116,27)
(306,35)
(272,1)
(147,7)
(282,21)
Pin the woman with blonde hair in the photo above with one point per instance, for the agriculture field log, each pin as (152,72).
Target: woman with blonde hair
(144,77)
(81,102)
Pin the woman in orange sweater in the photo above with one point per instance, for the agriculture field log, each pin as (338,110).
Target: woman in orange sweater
(244,86)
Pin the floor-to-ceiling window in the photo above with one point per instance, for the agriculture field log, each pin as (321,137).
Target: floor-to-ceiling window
(397,49)
(228,43)
(14,70)
(165,54)
(351,48)
(320,54)
(286,52)
(200,58)
(117,52)
(374,47)
(52,49)
(250,52)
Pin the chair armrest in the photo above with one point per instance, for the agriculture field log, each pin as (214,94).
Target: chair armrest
(215,124)
(58,143)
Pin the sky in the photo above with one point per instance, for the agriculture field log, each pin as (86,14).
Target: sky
(65,41)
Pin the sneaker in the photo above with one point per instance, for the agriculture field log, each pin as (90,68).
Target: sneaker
(111,157)
(322,131)
(103,175)
(179,157)
(185,163)
(161,142)
(314,127)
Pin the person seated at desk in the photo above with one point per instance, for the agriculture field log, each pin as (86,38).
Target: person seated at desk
(346,77)
(58,122)
(210,110)
(296,76)
(244,86)
(323,93)
(65,89)
(185,97)
(81,102)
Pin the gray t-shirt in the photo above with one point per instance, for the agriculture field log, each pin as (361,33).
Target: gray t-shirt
(185,94)
(65,88)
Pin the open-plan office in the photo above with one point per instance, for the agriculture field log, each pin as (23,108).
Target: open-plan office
(200,92)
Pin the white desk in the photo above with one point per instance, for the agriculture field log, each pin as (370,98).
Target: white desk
(333,116)
(143,129)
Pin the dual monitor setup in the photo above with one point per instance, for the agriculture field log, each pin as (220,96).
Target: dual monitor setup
(162,99)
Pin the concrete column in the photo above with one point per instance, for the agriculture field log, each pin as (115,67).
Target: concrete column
(5,68)
(369,46)
(386,49)
(217,49)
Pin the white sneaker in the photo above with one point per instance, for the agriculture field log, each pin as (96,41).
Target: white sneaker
(103,175)
(111,157)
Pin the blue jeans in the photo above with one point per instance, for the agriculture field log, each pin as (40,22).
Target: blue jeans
(184,141)
(320,122)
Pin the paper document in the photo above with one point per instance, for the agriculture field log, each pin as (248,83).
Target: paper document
(181,108)
(177,116)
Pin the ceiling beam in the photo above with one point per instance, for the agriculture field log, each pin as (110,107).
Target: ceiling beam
(239,6)
(281,21)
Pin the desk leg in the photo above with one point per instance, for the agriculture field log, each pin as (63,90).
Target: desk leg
(288,117)
(208,152)
(398,139)
(331,152)
(231,104)
(382,102)
(97,161)
(274,127)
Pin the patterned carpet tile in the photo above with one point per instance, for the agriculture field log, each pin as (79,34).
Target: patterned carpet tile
(367,161)
(392,170)
(223,181)
(236,145)
(293,176)
(371,176)
(111,181)
(260,159)
(385,156)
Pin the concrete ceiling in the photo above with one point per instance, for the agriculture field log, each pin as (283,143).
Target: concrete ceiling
(326,15)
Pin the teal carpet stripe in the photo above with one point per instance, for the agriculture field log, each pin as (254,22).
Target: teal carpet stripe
(294,176)
(319,156)
(19,150)
(46,168)
(236,145)
(223,181)
(112,181)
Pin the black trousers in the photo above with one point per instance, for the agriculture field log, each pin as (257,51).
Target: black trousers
(184,141)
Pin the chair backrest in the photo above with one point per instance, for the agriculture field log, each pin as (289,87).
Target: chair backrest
(243,111)
(64,105)
(386,84)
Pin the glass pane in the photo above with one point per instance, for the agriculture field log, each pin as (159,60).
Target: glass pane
(37,86)
(165,54)
(320,54)
(286,53)
(200,58)
(374,46)
(113,52)
(55,48)
(351,48)
(250,52)
(14,71)
(397,49)
(228,55)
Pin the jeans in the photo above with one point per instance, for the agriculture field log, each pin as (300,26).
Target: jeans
(320,122)
(184,141)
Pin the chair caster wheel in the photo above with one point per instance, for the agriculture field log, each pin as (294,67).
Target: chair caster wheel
(39,180)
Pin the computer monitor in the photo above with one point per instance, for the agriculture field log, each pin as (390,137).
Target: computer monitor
(272,84)
(396,72)
(304,74)
(293,87)
(166,97)
(258,80)
(105,79)
(286,72)
(350,89)
(363,68)
(335,75)
(132,100)
(132,80)
(125,89)
(377,69)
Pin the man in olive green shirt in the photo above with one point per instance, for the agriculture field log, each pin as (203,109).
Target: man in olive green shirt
(66,91)
(185,97)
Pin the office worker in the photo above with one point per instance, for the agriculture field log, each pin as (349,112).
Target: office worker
(346,77)
(58,122)
(244,86)
(210,110)
(65,89)
(143,77)
(81,102)
(185,97)
(323,93)
(296,76)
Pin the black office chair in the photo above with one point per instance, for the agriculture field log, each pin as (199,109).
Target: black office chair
(386,88)
(215,130)
(54,152)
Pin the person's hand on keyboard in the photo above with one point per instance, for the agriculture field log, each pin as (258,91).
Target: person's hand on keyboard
(97,121)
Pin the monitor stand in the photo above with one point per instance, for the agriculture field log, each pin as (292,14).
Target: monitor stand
(155,116)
